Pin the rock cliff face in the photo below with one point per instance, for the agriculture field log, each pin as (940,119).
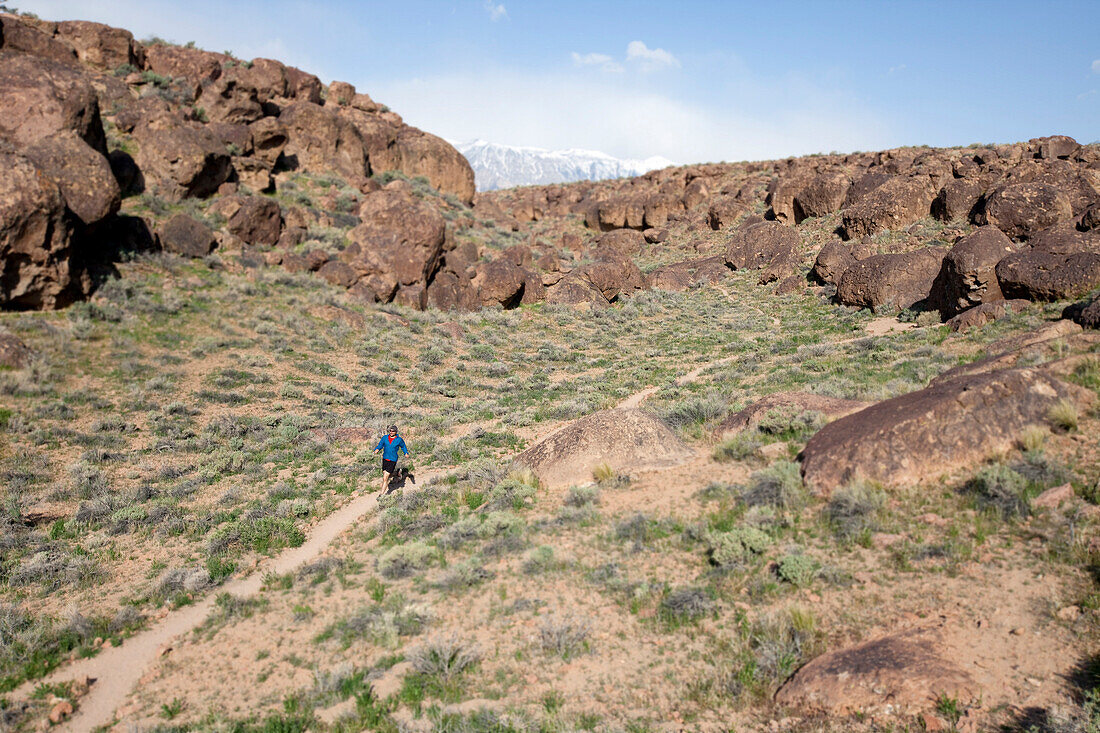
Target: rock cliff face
(90,118)
(109,142)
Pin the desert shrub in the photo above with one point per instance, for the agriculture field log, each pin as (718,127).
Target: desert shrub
(791,425)
(177,581)
(740,447)
(463,575)
(443,658)
(498,524)
(693,411)
(729,549)
(403,560)
(1063,416)
(382,624)
(778,645)
(854,509)
(798,569)
(778,485)
(639,529)
(582,496)
(53,569)
(540,560)
(512,493)
(1032,438)
(1000,489)
(460,532)
(564,636)
(683,605)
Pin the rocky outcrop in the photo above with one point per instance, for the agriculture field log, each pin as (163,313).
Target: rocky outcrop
(253,219)
(14,354)
(397,247)
(768,246)
(180,159)
(85,178)
(916,437)
(900,673)
(687,274)
(423,154)
(187,236)
(892,281)
(42,98)
(821,196)
(626,440)
(101,46)
(35,238)
(788,403)
(619,243)
(1022,209)
(1086,313)
(898,202)
(1061,263)
(319,139)
(969,277)
(19,37)
(985,313)
(835,258)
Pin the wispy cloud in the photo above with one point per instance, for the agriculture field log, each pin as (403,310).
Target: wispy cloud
(1096,66)
(1086,95)
(896,69)
(605,62)
(496,11)
(650,59)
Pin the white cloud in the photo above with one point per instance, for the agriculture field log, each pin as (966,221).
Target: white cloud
(896,69)
(650,59)
(612,114)
(1086,95)
(496,11)
(1096,66)
(605,62)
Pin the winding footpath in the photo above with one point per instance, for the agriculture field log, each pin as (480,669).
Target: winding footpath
(116,671)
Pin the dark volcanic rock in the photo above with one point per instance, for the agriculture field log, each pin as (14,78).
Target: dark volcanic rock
(687,274)
(185,235)
(824,194)
(35,238)
(1086,313)
(43,97)
(14,354)
(1061,263)
(896,203)
(969,276)
(986,313)
(835,258)
(768,245)
(101,46)
(256,220)
(180,160)
(915,437)
(83,175)
(319,141)
(1022,209)
(892,281)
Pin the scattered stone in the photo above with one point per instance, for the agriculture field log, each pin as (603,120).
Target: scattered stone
(14,354)
(892,281)
(185,235)
(1054,497)
(986,313)
(61,711)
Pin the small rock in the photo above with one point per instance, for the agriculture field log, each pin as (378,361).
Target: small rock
(932,722)
(1069,613)
(933,519)
(1053,498)
(164,650)
(80,686)
(1018,631)
(60,711)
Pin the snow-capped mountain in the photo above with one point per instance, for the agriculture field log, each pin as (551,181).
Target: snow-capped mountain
(504,166)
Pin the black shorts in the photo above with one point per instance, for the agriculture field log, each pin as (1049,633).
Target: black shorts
(388,465)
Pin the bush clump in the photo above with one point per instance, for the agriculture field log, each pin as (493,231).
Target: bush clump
(1001,489)
(854,509)
(403,560)
(729,549)
(778,485)
(798,569)
(684,604)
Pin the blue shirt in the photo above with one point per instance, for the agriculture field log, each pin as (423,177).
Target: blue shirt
(389,450)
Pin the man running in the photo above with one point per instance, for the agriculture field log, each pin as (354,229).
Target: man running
(390,444)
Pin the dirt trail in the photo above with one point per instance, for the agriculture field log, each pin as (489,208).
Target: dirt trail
(117,671)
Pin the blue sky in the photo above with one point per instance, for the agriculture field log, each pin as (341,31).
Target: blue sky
(692,81)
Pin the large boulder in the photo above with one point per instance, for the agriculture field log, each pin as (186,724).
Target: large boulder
(613,277)
(379,138)
(969,277)
(1086,313)
(822,195)
(898,202)
(35,238)
(576,290)
(1054,146)
(892,281)
(500,282)
(303,86)
(19,37)
(619,211)
(783,193)
(101,46)
(193,64)
(14,354)
(423,154)
(398,245)
(231,99)
(254,219)
(864,185)
(269,138)
(619,243)
(957,199)
(1061,263)
(1022,209)
(319,140)
(835,258)
(919,436)
(985,313)
(768,245)
(84,176)
(725,211)
(185,235)
(901,673)
(626,440)
(180,159)
(689,273)
(43,97)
